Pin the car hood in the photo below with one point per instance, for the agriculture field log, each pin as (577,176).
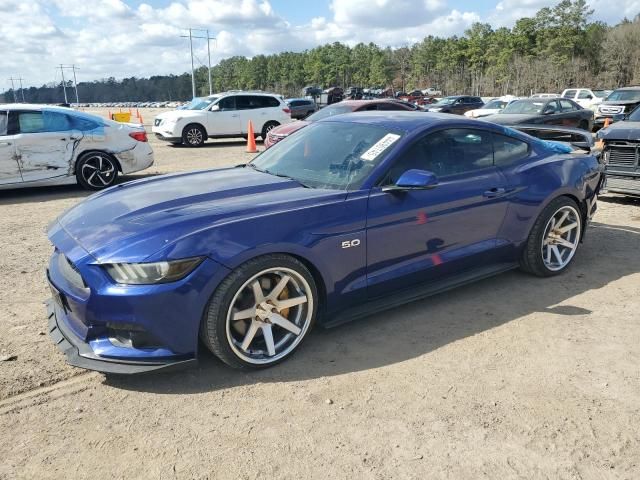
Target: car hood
(619,102)
(482,112)
(510,118)
(624,130)
(289,128)
(135,220)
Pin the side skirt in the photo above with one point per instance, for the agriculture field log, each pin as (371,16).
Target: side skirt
(415,293)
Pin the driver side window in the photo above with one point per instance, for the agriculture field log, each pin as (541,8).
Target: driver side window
(227,103)
(447,152)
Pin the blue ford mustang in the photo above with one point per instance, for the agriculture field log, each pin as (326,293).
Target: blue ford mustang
(349,216)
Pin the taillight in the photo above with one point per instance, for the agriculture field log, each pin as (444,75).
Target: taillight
(139,136)
(286,110)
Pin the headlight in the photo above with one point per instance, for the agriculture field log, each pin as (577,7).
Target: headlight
(150,273)
(435,109)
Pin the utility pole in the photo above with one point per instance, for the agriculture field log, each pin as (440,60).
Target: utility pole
(64,85)
(193,72)
(15,98)
(13,90)
(75,82)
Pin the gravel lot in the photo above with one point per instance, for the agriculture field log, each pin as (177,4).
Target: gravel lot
(512,377)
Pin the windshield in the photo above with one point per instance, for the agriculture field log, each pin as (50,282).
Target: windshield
(624,96)
(329,112)
(524,106)
(200,103)
(496,105)
(601,93)
(333,155)
(446,101)
(634,116)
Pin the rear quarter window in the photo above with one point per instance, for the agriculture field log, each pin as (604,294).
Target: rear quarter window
(508,150)
(82,124)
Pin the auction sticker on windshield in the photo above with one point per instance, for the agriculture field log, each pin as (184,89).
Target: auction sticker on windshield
(380,146)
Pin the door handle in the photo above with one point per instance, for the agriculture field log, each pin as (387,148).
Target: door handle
(495,192)
(5,144)
(234,116)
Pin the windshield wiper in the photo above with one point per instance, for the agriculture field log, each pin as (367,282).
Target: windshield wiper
(282,175)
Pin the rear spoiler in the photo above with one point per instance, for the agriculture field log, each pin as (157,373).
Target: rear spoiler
(576,137)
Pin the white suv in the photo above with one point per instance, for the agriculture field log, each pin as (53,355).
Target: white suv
(586,97)
(221,116)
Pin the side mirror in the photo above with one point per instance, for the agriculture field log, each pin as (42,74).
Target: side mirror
(413,180)
(214,108)
(548,111)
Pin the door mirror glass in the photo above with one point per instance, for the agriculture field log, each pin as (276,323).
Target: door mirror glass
(215,108)
(414,179)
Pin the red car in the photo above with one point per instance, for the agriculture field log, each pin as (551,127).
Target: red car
(346,106)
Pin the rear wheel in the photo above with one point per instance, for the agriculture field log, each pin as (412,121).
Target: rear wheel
(554,239)
(267,128)
(96,170)
(261,312)
(194,135)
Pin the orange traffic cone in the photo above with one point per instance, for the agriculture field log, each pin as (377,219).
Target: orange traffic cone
(251,139)
(110,117)
(140,118)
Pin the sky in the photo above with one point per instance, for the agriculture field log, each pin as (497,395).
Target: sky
(125,38)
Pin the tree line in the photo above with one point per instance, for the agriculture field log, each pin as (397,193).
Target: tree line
(557,48)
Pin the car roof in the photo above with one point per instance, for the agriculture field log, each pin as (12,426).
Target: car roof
(243,92)
(359,103)
(634,87)
(407,121)
(34,106)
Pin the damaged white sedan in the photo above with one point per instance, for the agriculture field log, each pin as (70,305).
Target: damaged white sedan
(45,145)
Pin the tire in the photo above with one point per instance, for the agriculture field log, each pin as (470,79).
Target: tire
(266,128)
(96,170)
(194,135)
(243,342)
(543,255)
(583,125)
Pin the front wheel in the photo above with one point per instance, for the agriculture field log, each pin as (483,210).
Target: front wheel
(261,312)
(96,170)
(554,239)
(194,135)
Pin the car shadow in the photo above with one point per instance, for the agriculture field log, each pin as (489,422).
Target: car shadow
(216,144)
(58,192)
(620,199)
(415,329)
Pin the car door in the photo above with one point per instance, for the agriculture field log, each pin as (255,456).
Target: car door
(584,98)
(9,168)
(458,106)
(419,235)
(44,144)
(223,118)
(552,113)
(570,114)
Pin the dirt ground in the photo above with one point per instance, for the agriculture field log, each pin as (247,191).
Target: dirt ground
(513,377)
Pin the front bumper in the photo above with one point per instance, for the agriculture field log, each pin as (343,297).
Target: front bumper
(79,354)
(165,135)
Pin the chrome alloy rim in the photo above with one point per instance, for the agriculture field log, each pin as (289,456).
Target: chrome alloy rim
(98,171)
(194,136)
(269,315)
(269,127)
(561,238)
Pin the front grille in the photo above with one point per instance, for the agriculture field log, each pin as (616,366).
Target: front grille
(611,110)
(623,153)
(157,122)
